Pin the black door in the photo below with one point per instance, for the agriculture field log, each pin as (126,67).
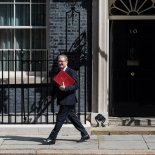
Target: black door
(132,68)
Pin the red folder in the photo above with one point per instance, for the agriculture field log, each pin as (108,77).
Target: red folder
(61,77)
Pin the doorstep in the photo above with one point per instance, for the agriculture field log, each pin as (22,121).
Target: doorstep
(39,129)
(122,130)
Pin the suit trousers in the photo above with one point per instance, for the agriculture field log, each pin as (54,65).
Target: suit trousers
(64,112)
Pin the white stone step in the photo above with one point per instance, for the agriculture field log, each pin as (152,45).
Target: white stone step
(132,121)
(39,129)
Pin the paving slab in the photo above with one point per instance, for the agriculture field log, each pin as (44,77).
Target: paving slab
(90,145)
(62,142)
(18,152)
(21,140)
(151,146)
(1,141)
(67,145)
(150,141)
(121,137)
(122,145)
(119,142)
(22,147)
(149,138)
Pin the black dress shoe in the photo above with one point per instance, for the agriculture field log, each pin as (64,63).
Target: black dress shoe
(49,141)
(84,138)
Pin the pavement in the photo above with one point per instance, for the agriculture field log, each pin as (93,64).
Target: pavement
(97,145)
(111,140)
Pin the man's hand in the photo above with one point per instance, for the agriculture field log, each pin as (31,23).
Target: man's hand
(62,87)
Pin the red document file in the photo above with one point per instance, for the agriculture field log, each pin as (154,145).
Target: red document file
(61,77)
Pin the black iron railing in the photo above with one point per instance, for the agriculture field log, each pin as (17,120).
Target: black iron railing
(25,76)
(24,80)
(24,84)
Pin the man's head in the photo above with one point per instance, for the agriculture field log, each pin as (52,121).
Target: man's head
(62,61)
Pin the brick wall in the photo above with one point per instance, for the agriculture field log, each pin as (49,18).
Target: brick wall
(64,30)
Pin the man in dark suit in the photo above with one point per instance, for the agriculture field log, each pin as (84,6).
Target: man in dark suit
(66,99)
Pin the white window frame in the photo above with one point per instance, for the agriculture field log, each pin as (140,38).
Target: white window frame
(28,76)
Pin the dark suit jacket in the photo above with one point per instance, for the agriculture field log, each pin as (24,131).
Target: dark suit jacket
(67,97)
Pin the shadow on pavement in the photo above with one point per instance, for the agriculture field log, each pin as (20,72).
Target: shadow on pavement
(34,139)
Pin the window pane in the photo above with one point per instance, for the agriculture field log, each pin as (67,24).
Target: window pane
(38,14)
(22,15)
(38,1)
(38,39)
(6,14)
(32,41)
(6,0)
(22,39)
(6,61)
(6,39)
(22,0)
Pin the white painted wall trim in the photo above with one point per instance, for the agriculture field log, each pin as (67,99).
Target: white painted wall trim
(103,57)
(102,78)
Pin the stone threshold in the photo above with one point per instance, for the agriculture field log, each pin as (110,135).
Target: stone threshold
(122,130)
(39,129)
(132,121)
